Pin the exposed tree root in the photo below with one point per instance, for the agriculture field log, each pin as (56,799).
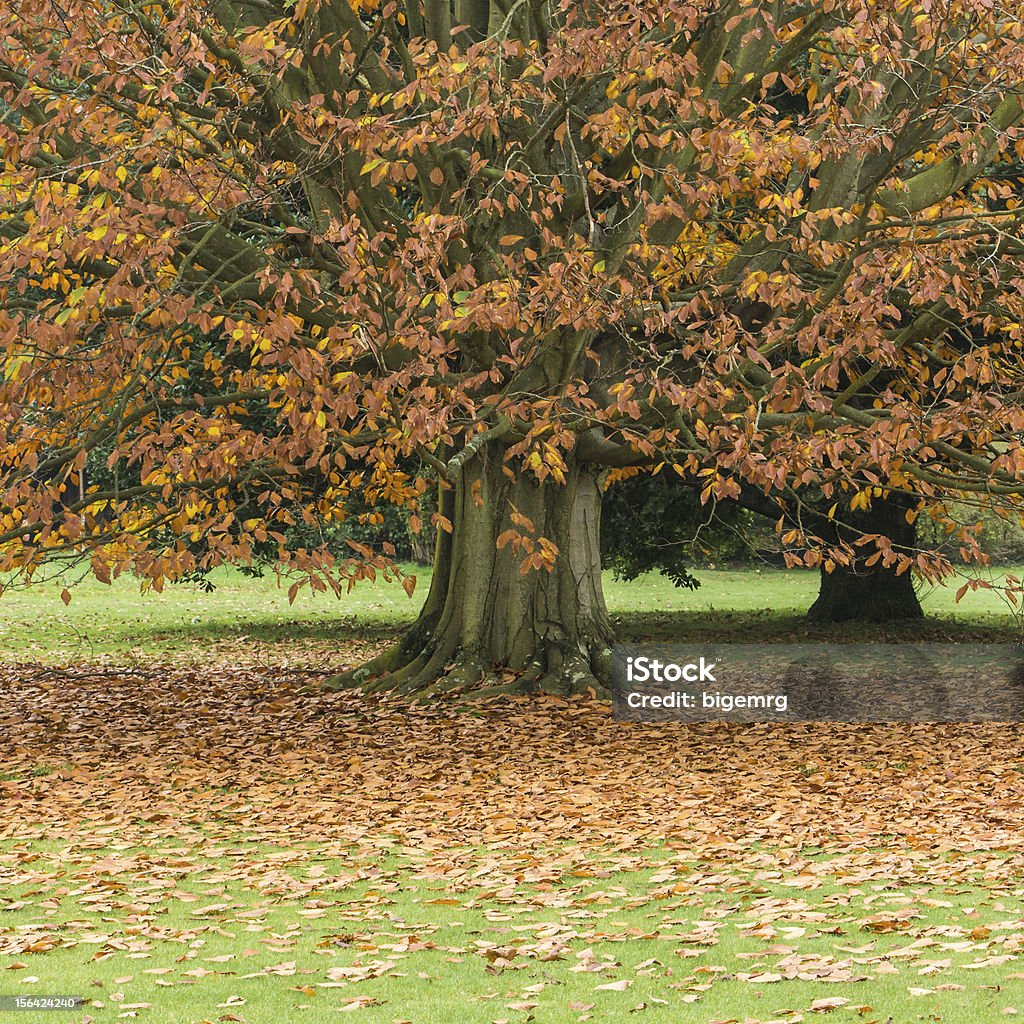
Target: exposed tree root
(429,676)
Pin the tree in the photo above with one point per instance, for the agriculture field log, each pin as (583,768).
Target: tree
(874,592)
(656,523)
(517,243)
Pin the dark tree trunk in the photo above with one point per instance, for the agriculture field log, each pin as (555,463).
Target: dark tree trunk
(423,545)
(872,592)
(484,613)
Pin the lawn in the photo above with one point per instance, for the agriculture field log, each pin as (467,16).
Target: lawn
(252,618)
(250,931)
(186,837)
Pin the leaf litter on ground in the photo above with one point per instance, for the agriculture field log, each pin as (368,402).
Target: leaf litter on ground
(177,831)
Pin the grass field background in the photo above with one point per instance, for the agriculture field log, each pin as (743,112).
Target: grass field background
(116,620)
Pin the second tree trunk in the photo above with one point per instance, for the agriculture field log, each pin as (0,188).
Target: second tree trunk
(873,592)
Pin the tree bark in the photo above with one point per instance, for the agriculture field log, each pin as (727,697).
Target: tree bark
(484,613)
(423,545)
(871,592)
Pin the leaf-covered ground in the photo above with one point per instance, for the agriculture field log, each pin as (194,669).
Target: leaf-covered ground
(207,844)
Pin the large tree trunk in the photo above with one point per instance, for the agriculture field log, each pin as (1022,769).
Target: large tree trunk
(872,592)
(484,613)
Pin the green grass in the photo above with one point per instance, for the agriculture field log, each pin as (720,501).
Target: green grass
(117,620)
(242,613)
(180,934)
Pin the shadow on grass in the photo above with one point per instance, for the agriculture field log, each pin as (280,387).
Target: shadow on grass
(679,626)
(335,630)
(774,627)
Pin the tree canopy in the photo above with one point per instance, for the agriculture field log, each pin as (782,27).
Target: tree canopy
(257,257)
